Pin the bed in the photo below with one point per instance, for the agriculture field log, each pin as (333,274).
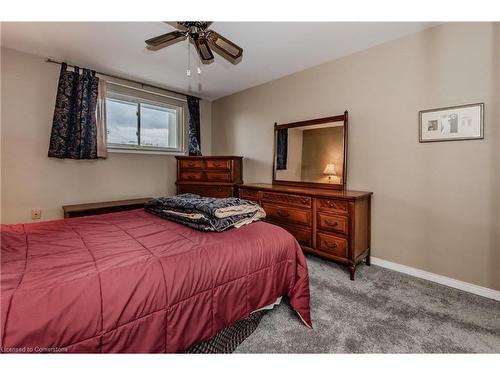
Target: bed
(134,282)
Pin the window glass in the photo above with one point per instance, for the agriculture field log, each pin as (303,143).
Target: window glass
(158,126)
(121,122)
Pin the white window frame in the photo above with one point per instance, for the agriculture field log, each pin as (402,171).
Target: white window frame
(178,106)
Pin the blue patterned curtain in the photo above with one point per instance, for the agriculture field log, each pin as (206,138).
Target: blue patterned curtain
(194,126)
(74,131)
(281,148)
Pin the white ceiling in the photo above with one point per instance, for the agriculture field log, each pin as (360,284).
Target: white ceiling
(271,49)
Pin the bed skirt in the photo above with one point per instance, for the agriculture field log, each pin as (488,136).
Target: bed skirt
(229,338)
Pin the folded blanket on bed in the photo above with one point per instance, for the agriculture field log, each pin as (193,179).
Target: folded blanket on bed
(205,213)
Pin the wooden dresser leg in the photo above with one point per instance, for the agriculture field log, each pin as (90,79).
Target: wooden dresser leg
(368,262)
(352,270)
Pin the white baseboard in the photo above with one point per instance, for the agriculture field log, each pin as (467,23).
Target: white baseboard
(448,281)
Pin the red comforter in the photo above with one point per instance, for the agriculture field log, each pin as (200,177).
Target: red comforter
(133,282)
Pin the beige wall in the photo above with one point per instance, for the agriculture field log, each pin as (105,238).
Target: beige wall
(32,180)
(435,205)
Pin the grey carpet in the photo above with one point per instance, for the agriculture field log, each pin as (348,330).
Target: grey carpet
(381,312)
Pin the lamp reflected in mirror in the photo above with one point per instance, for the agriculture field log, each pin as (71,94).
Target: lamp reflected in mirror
(330,172)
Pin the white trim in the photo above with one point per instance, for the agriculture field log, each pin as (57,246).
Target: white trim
(448,281)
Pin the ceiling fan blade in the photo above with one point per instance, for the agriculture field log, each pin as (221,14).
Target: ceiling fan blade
(165,39)
(203,49)
(224,46)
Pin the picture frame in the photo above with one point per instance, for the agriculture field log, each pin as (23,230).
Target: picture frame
(456,123)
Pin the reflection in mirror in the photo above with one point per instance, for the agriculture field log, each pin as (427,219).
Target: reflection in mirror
(313,153)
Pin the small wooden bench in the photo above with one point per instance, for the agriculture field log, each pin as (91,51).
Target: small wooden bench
(98,208)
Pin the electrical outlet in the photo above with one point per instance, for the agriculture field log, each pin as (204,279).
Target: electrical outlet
(36,213)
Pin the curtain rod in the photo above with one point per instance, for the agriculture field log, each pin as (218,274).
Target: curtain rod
(49,60)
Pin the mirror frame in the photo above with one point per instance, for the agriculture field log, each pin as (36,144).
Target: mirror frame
(324,120)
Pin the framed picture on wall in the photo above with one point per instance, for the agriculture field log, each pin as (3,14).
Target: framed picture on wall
(451,123)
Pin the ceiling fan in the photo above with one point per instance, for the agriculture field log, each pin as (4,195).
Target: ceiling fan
(204,41)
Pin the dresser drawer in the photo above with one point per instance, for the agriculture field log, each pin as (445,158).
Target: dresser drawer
(302,235)
(206,190)
(332,205)
(191,164)
(218,164)
(249,194)
(287,215)
(191,176)
(218,176)
(333,223)
(333,245)
(288,199)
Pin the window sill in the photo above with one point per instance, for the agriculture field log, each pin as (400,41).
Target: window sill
(123,150)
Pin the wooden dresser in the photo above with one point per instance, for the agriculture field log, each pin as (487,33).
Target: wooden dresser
(212,176)
(334,224)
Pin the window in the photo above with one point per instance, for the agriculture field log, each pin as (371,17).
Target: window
(136,123)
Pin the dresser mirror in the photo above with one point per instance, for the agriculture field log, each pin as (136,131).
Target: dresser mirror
(311,153)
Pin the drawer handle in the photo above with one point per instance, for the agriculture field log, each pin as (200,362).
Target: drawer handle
(283,213)
(190,177)
(305,201)
(330,244)
(191,164)
(217,165)
(331,223)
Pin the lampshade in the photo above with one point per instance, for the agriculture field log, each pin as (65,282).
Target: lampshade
(329,169)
